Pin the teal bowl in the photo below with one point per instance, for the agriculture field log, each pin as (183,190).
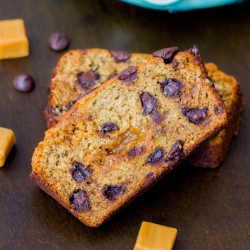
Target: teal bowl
(180,5)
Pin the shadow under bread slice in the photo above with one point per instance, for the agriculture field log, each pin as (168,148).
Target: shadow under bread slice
(119,140)
(214,152)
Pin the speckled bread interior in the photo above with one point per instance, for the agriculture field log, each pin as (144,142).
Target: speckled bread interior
(117,141)
(65,87)
(214,152)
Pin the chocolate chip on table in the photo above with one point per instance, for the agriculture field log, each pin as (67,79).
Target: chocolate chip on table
(167,54)
(58,41)
(149,103)
(176,152)
(136,151)
(23,83)
(195,116)
(108,127)
(120,56)
(80,201)
(128,75)
(171,87)
(88,79)
(156,156)
(112,192)
(79,172)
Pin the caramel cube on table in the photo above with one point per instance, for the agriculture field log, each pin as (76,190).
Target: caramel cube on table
(7,141)
(13,40)
(155,237)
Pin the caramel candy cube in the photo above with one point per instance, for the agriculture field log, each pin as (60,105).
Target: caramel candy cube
(155,237)
(7,141)
(13,40)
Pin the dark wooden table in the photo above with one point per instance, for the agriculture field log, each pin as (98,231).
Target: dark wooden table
(210,208)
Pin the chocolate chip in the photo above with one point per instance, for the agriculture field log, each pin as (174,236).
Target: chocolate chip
(108,127)
(70,104)
(171,87)
(120,56)
(89,118)
(52,111)
(175,64)
(218,110)
(128,75)
(156,117)
(80,201)
(176,152)
(23,83)
(79,172)
(56,110)
(88,79)
(156,156)
(149,103)
(112,192)
(195,51)
(149,176)
(136,151)
(109,151)
(167,54)
(198,59)
(58,41)
(195,116)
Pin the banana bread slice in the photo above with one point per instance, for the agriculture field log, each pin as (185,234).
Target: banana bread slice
(67,85)
(78,72)
(124,136)
(214,152)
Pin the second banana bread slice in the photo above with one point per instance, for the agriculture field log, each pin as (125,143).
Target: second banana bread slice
(78,72)
(214,152)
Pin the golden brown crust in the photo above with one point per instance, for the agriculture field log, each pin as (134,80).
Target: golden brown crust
(160,124)
(149,182)
(214,152)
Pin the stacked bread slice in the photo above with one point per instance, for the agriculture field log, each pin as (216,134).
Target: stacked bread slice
(118,140)
(214,152)
(78,72)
